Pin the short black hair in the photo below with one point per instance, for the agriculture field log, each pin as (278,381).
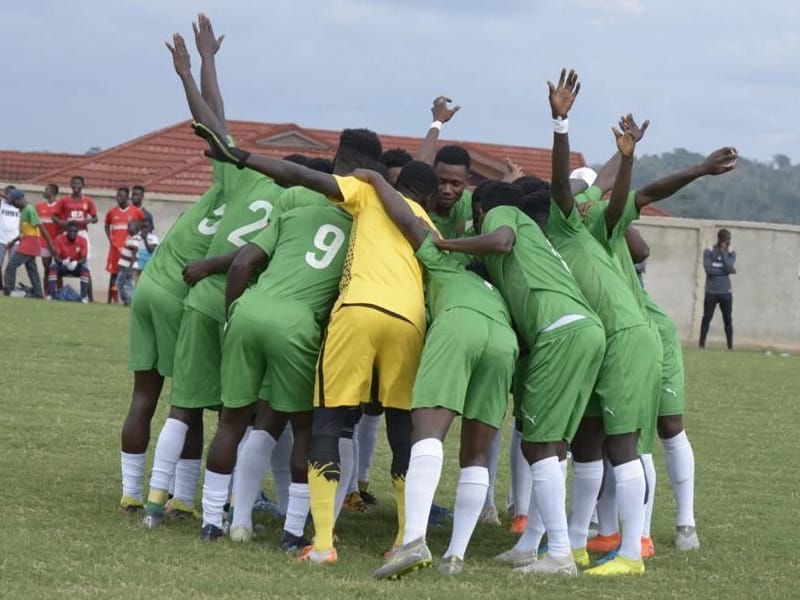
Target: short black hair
(418,181)
(357,148)
(529,184)
(723,235)
(127,190)
(325,165)
(453,155)
(491,193)
(79,177)
(537,205)
(298,159)
(52,186)
(72,224)
(396,157)
(138,187)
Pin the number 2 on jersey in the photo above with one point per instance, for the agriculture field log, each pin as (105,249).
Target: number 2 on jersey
(236,237)
(329,239)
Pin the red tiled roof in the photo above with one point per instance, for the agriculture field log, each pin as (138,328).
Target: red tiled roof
(20,167)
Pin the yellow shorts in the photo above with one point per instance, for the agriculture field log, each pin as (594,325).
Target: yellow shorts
(357,338)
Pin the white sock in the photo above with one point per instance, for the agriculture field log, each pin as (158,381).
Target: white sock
(367,441)
(347,460)
(422,479)
(494,458)
(252,459)
(550,495)
(352,485)
(473,484)
(630,497)
(531,537)
(679,457)
(168,450)
(282,468)
(520,475)
(132,466)
(297,511)
(586,480)
(650,477)
(215,493)
(607,509)
(187,475)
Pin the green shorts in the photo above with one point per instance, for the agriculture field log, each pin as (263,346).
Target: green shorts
(518,383)
(198,356)
(559,380)
(272,341)
(673,386)
(466,366)
(628,382)
(155,320)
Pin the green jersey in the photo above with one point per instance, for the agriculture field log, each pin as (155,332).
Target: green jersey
(457,220)
(307,247)
(596,271)
(295,197)
(533,278)
(189,238)
(448,285)
(250,197)
(615,242)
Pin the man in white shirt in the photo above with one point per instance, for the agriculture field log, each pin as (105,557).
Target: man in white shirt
(9,227)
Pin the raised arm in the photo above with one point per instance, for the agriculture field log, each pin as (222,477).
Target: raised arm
(718,162)
(248,259)
(561,98)
(441,114)
(499,241)
(608,174)
(284,171)
(207,46)
(626,144)
(197,105)
(396,207)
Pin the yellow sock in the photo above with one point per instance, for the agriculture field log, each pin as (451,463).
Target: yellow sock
(399,485)
(157,497)
(322,482)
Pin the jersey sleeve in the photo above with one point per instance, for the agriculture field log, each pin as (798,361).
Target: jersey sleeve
(108,217)
(560,226)
(355,193)
(432,258)
(91,209)
(32,216)
(267,239)
(591,194)
(500,217)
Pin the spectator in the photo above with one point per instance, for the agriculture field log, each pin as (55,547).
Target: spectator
(116,228)
(127,262)
(719,263)
(147,246)
(45,209)
(9,226)
(29,247)
(137,198)
(78,208)
(69,259)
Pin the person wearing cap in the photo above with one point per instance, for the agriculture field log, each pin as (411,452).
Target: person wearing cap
(29,246)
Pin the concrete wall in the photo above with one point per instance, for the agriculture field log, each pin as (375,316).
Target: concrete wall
(766,288)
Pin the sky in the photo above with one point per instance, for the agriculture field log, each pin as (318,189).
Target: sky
(90,73)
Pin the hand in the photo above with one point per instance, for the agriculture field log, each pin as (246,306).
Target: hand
(720,161)
(440,110)
(636,131)
(513,170)
(207,44)
(367,175)
(563,95)
(218,148)
(180,55)
(195,271)
(626,144)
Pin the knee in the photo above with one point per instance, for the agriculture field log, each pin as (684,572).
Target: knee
(669,426)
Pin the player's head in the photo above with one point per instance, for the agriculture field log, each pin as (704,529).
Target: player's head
(529,184)
(537,206)
(490,194)
(358,148)
(137,195)
(123,195)
(134,227)
(50,191)
(76,183)
(723,237)
(7,190)
(324,165)
(394,160)
(72,230)
(145,227)
(298,159)
(17,198)
(452,165)
(418,181)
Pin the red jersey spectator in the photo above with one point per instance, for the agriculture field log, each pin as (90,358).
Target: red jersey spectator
(76,207)
(116,227)
(69,258)
(46,209)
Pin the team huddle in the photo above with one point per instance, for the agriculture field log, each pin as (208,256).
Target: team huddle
(295,297)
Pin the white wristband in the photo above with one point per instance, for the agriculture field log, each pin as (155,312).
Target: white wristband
(560,125)
(436,125)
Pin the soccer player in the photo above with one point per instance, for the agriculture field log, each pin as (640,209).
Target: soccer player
(158,301)
(76,207)
(116,228)
(394,160)
(137,199)
(46,208)
(69,258)
(379,320)
(629,376)
(466,370)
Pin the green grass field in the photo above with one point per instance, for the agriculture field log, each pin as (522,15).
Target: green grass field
(66,391)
